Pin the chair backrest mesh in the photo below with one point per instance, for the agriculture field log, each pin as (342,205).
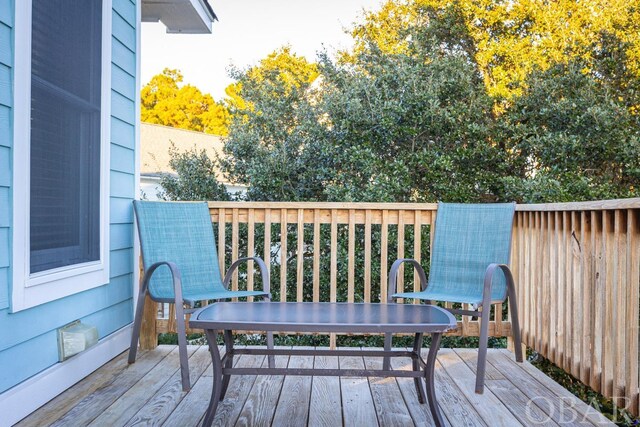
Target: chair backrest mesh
(180,232)
(469,237)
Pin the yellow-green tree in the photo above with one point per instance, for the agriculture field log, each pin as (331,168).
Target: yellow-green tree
(282,66)
(508,39)
(166,101)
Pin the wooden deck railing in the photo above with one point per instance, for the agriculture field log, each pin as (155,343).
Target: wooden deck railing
(576,267)
(577,270)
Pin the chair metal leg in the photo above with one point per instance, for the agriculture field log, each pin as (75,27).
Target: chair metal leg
(482,348)
(515,322)
(137,322)
(182,348)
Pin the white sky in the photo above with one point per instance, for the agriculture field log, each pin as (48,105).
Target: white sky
(247,31)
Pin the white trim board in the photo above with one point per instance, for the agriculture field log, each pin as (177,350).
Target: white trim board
(136,153)
(23,399)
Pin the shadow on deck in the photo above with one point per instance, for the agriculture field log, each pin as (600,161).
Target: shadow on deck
(149,392)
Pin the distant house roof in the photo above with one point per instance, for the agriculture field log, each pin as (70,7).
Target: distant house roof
(155,141)
(180,16)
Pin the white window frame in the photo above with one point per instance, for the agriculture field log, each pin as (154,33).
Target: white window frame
(30,290)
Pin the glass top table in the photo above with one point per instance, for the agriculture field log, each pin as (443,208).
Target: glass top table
(309,317)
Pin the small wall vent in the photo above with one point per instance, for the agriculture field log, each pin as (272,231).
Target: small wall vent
(75,338)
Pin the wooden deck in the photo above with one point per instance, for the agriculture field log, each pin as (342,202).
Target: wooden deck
(149,393)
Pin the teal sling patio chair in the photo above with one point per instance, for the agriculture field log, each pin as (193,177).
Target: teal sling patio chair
(469,259)
(180,265)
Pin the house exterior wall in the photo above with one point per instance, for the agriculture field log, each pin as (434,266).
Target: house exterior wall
(28,338)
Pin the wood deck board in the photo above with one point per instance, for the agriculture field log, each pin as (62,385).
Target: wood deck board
(134,399)
(455,408)
(578,405)
(387,398)
(64,402)
(237,392)
(487,405)
(293,405)
(167,398)
(550,403)
(325,393)
(149,392)
(358,408)
(259,407)
(93,405)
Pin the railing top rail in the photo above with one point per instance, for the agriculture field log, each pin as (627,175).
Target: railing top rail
(631,203)
(597,205)
(324,205)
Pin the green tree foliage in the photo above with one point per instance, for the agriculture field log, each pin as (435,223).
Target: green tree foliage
(571,138)
(410,126)
(410,113)
(165,101)
(275,139)
(195,177)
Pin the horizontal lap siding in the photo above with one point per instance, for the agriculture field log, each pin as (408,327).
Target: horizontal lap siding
(28,343)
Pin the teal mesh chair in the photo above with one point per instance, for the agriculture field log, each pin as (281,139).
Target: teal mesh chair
(469,259)
(180,264)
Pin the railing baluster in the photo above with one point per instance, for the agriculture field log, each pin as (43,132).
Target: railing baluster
(577,306)
(367,256)
(283,254)
(568,295)
(234,247)
(598,219)
(333,270)
(250,248)
(351,255)
(560,276)
(544,283)
(300,263)
(619,313)
(400,250)
(632,300)
(587,290)
(384,243)
(609,307)
(333,279)
(417,249)
(551,283)
(267,238)
(221,239)
(316,255)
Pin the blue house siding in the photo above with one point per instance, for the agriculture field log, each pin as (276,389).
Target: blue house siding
(28,342)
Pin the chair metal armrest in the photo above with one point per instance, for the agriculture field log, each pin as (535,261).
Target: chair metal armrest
(264,273)
(393,275)
(488,280)
(175,274)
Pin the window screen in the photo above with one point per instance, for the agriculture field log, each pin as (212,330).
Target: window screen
(65,133)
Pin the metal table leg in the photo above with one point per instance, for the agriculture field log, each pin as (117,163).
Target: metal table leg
(228,342)
(429,376)
(417,346)
(216,392)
